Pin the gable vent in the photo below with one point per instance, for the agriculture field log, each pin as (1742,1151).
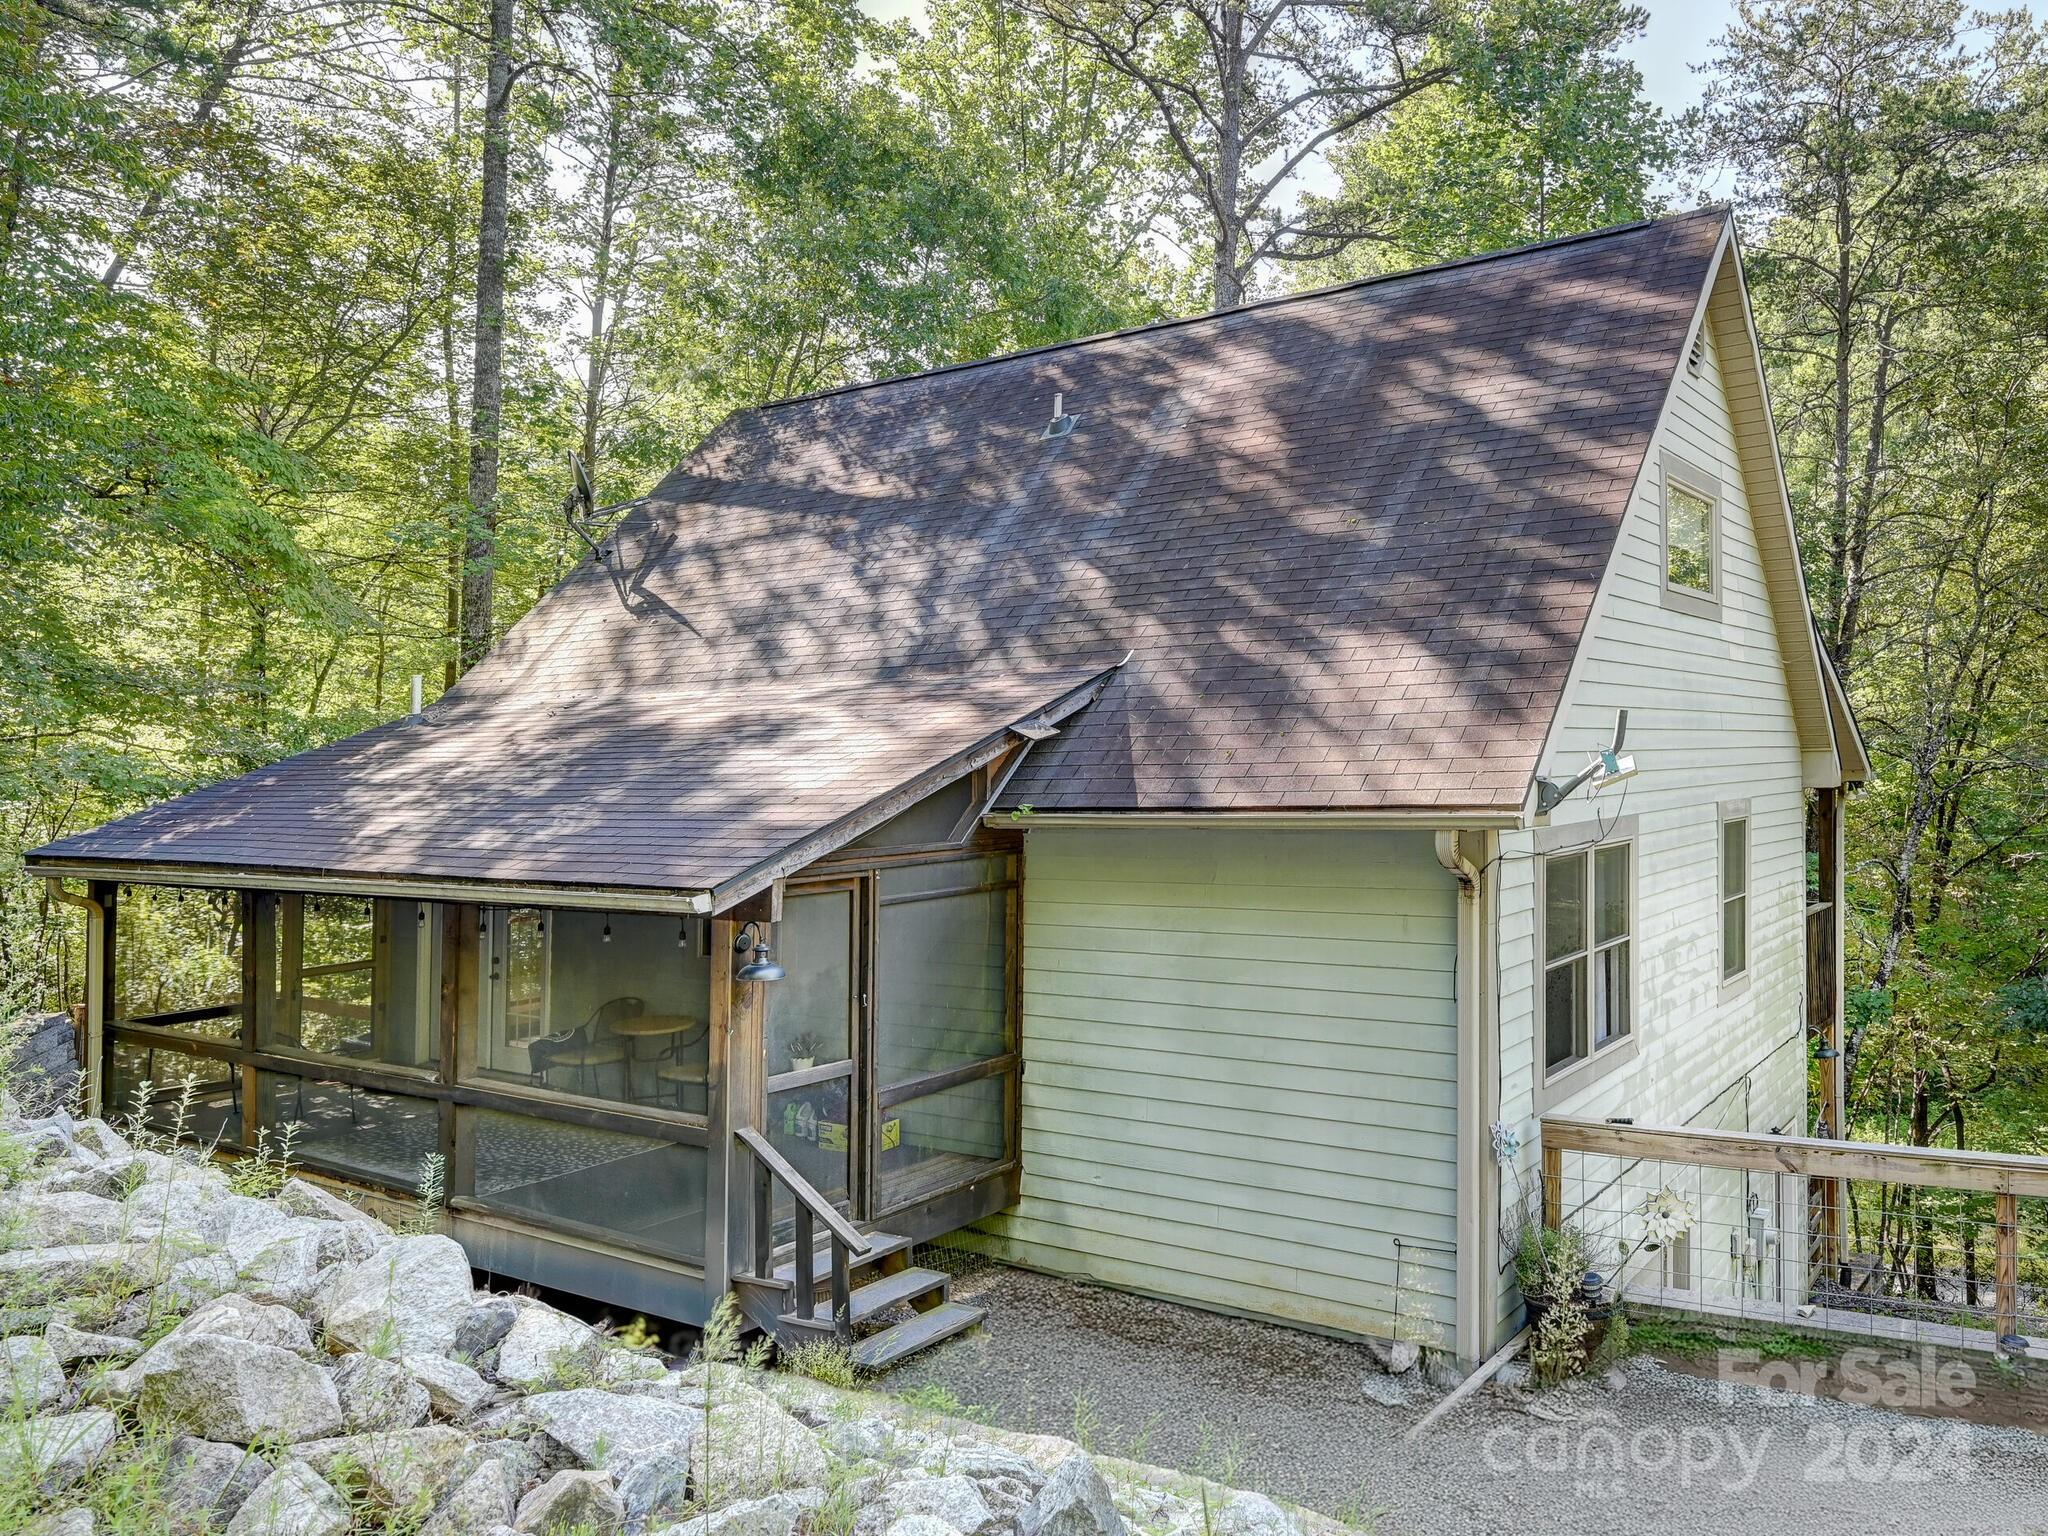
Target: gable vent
(1697,353)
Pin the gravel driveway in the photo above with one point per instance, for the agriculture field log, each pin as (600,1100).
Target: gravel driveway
(1281,1411)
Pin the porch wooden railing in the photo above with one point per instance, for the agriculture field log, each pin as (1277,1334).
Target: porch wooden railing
(1836,1166)
(812,1210)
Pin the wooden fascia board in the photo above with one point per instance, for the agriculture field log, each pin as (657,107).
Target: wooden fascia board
(1770,507)
(843,831)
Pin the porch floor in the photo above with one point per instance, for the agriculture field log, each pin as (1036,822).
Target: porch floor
(1279,1410)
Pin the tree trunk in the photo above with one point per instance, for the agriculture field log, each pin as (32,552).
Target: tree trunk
(1229,283)
(451,399)
(488,384)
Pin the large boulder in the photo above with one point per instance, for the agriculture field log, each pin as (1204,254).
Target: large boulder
(1252,1514)
(545,1348)
(488,1322)
(571,1501)
(1075,1501)
(1006,1481)
(774,1514)
(454,1391)
(480,1504)
(378,1394)
(605,1431)
(954,1501)
(412,1298)
(39,1218)
(256,1322)
(52,1274)
(56,1450)
(68,1522)
(301,1197)
(751,1445)
(404,1470)
(71,1345)
(293,1501)
(284,1264)
(654,1491)
(31,1379)
(195,1280)
(226,1388)
(206,1482)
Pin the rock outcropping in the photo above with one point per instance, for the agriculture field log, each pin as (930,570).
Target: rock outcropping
(289,1366)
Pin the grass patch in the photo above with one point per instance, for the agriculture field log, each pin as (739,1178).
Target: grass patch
(1698,1341)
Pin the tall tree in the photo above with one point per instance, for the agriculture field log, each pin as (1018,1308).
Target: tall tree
(1246,92)
(1858,131)
(1543,130)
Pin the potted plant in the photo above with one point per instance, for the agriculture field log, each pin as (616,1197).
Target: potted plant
(803,1051)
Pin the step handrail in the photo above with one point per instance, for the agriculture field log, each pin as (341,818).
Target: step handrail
(848,1242)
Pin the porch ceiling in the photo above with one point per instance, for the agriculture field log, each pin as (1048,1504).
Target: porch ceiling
(657,790)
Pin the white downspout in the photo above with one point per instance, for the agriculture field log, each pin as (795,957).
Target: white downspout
(1474,997)
(95,989)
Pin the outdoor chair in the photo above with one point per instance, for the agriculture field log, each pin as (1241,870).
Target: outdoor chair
(587,1047)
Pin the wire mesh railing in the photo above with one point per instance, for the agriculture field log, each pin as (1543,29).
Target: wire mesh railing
(1903,1244)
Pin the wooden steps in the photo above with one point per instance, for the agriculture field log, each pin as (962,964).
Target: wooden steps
(884,1245)
(883,1279)
(921,1330)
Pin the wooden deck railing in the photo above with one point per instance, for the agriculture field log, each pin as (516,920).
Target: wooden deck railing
(1836,1166)
(812,1210)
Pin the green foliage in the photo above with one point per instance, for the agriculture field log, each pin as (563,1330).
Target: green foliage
(822,1360)
(1550,1261)
(1543,131)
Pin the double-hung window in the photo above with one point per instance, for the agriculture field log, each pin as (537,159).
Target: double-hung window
(1734,897)
(1692,538)
(1588,994)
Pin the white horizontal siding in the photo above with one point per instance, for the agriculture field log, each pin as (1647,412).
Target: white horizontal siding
(1240,1072)
(1710,720)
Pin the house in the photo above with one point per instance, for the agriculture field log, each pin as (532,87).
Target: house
(1099,801)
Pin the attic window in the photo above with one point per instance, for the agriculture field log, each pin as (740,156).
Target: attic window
(1692,537)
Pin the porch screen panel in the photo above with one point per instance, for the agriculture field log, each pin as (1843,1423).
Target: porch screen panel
(354,979)
(178,960)
(935,1143)
(598,1005)
(640,1191)
(385,1138)
(942,988)
(176,1093)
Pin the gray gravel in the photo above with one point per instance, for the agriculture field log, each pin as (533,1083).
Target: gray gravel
(1282,1411)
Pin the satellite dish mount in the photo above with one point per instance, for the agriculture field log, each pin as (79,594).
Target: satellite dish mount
(593,524)
(1609,766)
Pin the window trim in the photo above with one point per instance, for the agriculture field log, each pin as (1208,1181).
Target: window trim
(1555,1085)
(1734,982)
(1672,469)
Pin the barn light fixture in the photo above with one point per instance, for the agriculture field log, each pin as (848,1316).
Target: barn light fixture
(763,966)
(1609,766)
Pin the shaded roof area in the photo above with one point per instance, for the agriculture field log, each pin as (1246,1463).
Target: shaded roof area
(1349,539)
(662,790)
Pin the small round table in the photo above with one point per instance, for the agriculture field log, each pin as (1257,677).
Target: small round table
(655,1026)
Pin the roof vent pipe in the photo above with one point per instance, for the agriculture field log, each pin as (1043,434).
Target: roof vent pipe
(418,682)
(1061,423)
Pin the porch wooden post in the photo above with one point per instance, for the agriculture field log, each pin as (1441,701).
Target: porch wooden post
(2008,1270)
(1825,999)
(734,1088)
(99,992)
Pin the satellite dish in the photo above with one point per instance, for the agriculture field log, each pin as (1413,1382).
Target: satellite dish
(593,524)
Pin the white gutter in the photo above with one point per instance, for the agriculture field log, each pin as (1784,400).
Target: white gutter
(1477,1041)
(1306,821)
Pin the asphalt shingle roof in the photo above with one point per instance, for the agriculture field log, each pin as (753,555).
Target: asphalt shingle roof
(1350,540)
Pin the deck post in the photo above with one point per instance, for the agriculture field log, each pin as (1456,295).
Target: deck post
(1824,1002)
(2008,1270)
(99,992)
(1553,1185)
